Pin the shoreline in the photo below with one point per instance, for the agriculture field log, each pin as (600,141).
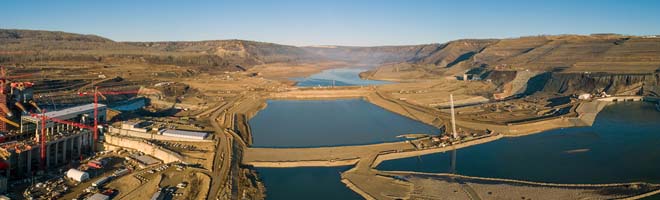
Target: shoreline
(346,155)
(304,163)
(586,114)
(583,114)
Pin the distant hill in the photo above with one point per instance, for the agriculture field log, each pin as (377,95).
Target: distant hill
(570,53)
(28,46)
(252,52)
(564,64)
(373,55)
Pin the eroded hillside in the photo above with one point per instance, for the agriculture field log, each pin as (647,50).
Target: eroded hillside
(555,64)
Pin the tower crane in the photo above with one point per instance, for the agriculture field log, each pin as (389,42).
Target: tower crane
(42,138)
(102,94)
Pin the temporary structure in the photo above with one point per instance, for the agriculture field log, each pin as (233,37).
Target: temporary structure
(77,175)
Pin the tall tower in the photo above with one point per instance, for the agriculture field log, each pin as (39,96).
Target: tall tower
(453,117)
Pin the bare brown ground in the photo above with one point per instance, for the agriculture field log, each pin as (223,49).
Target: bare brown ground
(143,191)
(202,155)
(399,72)
(124,185)
(446,186)
(198,184)
(436,92)
(614,67)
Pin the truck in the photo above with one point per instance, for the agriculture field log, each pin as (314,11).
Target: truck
(101,182)
(95,164)
(121,172)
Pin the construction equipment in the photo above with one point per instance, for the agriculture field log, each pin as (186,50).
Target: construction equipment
(2,118)
(102,94)
(94,128)
(16,92)
(18,147)
(42,138)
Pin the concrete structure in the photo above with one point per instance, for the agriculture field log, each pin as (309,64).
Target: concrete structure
(83,114)
(64,142)
(77,175)
(61,149)
(167,156)
(153,136)
(622,98)
(185,134)
(135,126)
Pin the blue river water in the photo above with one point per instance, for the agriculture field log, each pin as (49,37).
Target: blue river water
(322,183)
(338,77)
(313,123)
(623,145)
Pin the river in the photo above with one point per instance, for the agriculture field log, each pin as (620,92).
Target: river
(336,77)
(313,123)
(305,183)
(623,145)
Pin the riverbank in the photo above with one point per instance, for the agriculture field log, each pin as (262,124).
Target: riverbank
(346,155)
(453,186)
(362,177)
(582,114)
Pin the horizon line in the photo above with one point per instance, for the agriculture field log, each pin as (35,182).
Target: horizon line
(332,45)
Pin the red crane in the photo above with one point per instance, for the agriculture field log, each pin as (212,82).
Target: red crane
(42,139)
(94,128)
(96,94)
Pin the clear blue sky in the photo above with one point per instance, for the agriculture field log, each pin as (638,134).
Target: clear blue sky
(336,22)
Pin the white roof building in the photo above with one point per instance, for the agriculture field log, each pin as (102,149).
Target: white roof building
(185,134)
(68,114)
(72,112)
(77,175)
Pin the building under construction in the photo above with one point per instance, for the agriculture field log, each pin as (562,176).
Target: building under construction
(67,135)
(33,140)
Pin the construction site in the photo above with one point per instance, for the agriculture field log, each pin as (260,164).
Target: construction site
(173,120)
(86,149)
(57,141)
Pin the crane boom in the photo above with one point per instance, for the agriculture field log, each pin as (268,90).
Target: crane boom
(96,94)
(75,124)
